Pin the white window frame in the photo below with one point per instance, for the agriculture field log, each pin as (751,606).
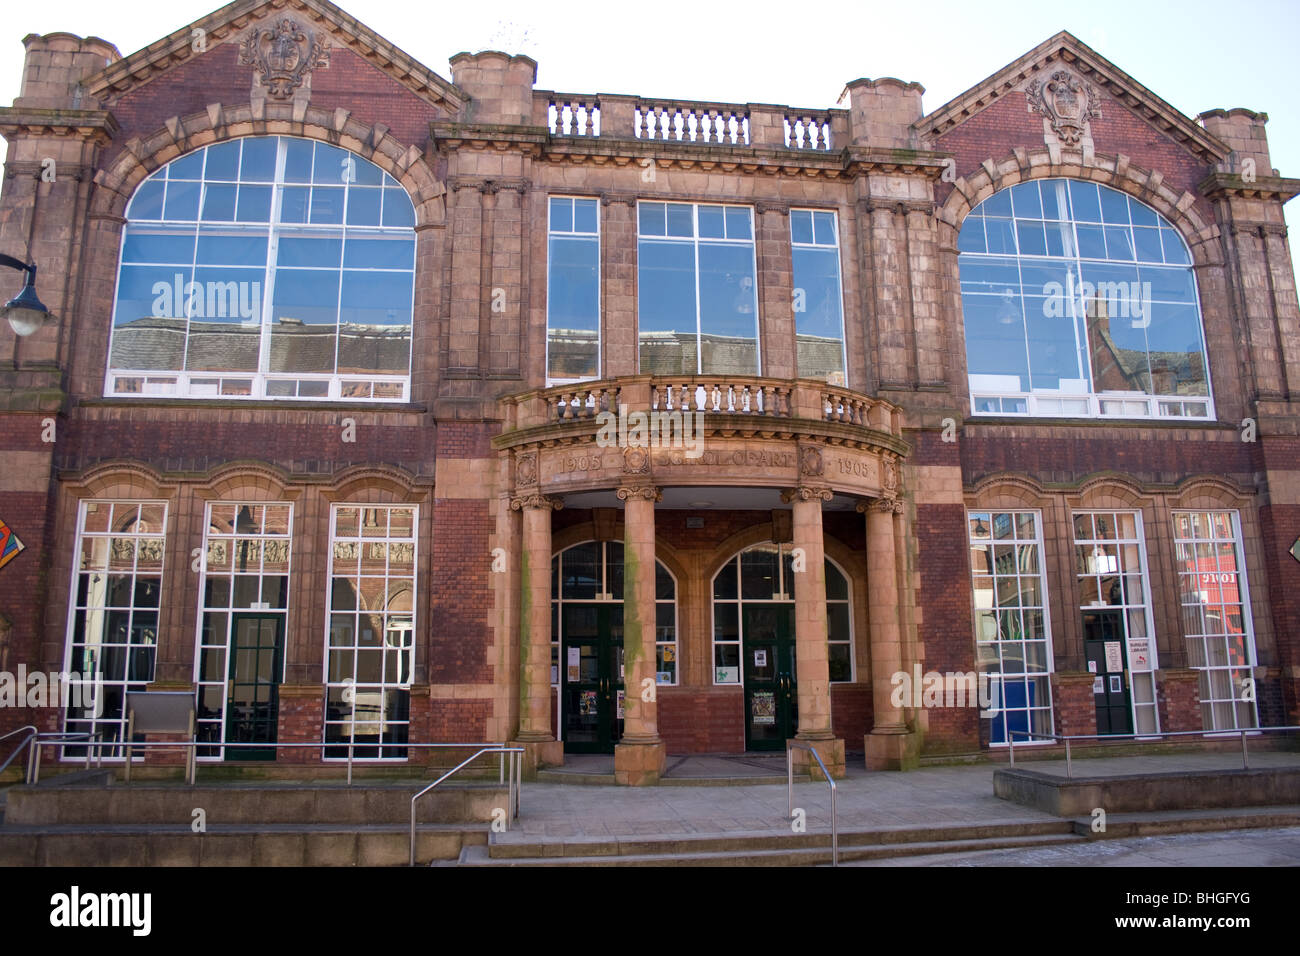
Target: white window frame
(600,302)
(839,279)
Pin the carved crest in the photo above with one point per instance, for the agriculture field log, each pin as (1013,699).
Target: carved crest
(526,469)
(810,461)
(636,461)
(283,56)
(1067,103)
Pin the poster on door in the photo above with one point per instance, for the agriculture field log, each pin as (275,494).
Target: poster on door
(587,703)
(760,658)
(620,705)
(575,660)
(762,707)
(1114,656)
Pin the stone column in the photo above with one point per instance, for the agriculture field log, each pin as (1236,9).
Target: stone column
(812,665)
(535,634)
(639,756)
(890,745)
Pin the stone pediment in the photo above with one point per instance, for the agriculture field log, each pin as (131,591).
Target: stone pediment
(280,39)
(1068,83)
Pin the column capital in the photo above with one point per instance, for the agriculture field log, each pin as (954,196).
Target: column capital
(893,506)
(806,493)
(536,500)
(646,492)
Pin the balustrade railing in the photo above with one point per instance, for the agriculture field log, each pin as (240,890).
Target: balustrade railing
(721,396)
(808,129)
(724,124)
(573,114)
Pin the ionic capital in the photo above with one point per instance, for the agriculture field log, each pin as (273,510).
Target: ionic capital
(645,492)
(536,501)
(807,493)
(889,506)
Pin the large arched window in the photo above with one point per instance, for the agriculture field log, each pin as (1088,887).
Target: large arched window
(266,267)
(1079,301)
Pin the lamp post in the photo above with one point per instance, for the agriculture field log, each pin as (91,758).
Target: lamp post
(25,312)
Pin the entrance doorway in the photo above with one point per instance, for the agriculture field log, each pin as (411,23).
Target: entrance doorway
(1103,646)
(591,707)
(253,696)
(771,695)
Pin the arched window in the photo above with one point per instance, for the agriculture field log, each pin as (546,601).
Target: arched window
(266,267)
(1079,300)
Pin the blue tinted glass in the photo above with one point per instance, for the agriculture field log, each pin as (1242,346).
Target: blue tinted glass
(1148,244)
(1036,277)
(187,167)
(398,210)
(367,173)
(1030,236)
(238,249)
(561,215)
(666,307)
(1052,349)
(1114,206)
(651,218)
(1083,199)
(376,298)
(728,308)
(1055,199)
(738,226)
(227,295)
(148,323)
(1000,236)
(1174,337)
(584,215)
(334,166)
(1142,215)
(182,201)
(297,160)
(1059,237)
(1024,197)
(995,337)
(971,237)
(158,245)
(1175,251)
(988,275)
(711,222)
(327,204)
(801,226)
(323,252)
(1092,242)
(363,206)
(219,203)
(816,272)
(254,204)
(306,297)
(999,204)
(293,208)
(825,224)
(1169,284)
(258,162)
(680,222)
(380,254)
(223,162)
(573,290)
(1118,243)
(148,201)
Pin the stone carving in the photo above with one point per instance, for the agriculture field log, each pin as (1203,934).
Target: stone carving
(648,492)
(1066,102)
(536,501)
(807,493)
(526,469)
(810,461)
(889,506)
(284,56)
(891,475)
(636,461)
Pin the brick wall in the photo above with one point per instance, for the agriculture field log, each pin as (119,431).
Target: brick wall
(697,720)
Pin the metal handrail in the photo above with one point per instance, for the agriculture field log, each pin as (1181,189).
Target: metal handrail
(19,749)
(95,738)
(791,747)
(512,793)
(1242,732)
(317,744)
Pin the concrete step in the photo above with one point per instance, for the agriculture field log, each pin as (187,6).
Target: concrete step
(233,845)
(787,856)
(245,804)
(1119,825)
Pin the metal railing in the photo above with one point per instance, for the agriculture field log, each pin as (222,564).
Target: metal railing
(512,792)
(1243,732)
(791,747)
(36,739)
(32,733)
(64,739)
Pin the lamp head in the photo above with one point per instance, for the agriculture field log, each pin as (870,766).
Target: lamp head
(25,312)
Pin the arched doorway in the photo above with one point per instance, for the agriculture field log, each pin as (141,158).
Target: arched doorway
(587,643)
(754,637)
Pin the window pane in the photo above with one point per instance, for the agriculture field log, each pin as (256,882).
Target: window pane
(573,308)
(666,286)
(728,309)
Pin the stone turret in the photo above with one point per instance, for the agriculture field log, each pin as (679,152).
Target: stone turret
(501,86)
(55,65)
(881,112)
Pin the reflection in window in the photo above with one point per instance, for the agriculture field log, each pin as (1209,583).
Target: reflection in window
(370,650)
(818,299)
(765,573)
(573,290)
(1216,615)
(245,571)
(113,627)
(698,300)
(1078,301)
(1012,640)
(266,267)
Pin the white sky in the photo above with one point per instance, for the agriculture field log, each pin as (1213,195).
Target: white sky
(1197,55)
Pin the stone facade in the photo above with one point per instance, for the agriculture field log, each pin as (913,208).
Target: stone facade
(876,474)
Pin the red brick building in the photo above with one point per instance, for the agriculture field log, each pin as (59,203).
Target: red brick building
(381,407)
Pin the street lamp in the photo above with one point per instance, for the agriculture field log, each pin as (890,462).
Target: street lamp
(25,312)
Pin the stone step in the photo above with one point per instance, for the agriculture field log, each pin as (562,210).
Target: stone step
(267,804)
(789,856)
(1191,821)
(234,845)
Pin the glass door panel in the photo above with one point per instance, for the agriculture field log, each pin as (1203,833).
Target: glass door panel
(771,698)
(252,700)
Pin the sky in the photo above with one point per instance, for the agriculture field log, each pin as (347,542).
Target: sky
(1196,55)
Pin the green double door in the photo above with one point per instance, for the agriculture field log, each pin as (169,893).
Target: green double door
(771,694)
(253,685)
(591,672)
(1110,692)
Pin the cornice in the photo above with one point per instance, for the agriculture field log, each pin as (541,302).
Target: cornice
(16,122)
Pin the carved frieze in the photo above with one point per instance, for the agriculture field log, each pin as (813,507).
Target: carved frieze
(283,55)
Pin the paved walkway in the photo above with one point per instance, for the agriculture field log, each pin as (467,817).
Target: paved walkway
(931,796)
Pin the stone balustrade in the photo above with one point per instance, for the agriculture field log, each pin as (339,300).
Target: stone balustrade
(749,396)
